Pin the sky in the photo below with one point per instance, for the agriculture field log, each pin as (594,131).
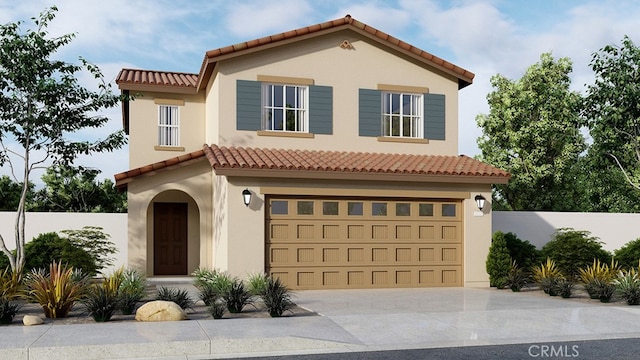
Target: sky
(486,37)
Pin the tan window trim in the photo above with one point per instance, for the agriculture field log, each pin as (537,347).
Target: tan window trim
(168,148)
(285,80)
(286,134)
(175,102)
(402,140)
(403,89)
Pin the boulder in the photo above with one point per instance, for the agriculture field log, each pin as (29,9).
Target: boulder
(160,311)
(29,320)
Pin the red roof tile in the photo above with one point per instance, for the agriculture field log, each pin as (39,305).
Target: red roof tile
(125,177)
(195,82)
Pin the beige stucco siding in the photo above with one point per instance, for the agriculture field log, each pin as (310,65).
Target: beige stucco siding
(143,127)
(191,184)
(346,71)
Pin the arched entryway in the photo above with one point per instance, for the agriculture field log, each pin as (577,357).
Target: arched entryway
(174,234)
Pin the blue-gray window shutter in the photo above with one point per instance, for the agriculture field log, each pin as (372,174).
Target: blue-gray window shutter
(248,105)
(434,116)
(321,110)
(370,112)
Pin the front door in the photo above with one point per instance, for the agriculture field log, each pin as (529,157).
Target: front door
(170,238)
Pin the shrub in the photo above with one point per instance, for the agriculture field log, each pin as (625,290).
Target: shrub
(565,287)
(628,286)
(10,284)
(276,297)
(101,302)
(217,308)
(48,248)
(547,275)
(96,243)
(573,250)
(56,291)
(517,277)
(179,296)
(212,284)
(498,261)
(8,310)
(236,297)
(132,289)
(596,274)
(628,256)
(258,283)
(522,251)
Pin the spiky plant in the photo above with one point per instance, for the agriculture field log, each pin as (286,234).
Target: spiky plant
(131,291)
(594,277)
(517,277)
(257,283)
(56,291)
(179,296)
(8,310)
(547,275)
(276,297)
(101,302)
(236,297)
(628,286)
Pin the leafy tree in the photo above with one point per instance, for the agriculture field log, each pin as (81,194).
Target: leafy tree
(612,110)
(41,103)
(10,192)
(573,250)
(498,261)
(628,256)
(522,252)
(47,248)
(74,189)
(95,242)
(533,131)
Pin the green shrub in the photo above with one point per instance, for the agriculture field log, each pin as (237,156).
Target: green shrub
(236,297)
(628,256)
(179,296)
(573,250)
(212,284)
(217,308)
(48,248)
(517,277)
(101,302)
(628,286)
(276,297)
(96,243)
(258,283)
(565,287)
(522,251)
(498,261)
(8,310)
(132,289)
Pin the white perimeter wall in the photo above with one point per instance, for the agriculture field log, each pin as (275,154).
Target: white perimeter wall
(614,230)
(37,223)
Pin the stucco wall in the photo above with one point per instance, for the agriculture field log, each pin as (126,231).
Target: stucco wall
(614,230)
(37,223)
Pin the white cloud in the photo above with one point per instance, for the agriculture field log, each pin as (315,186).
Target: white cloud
(253,19)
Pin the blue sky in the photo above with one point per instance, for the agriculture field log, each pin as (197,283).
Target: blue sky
(484,36)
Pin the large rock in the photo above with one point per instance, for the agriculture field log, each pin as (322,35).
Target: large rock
(29,320)
(160,311)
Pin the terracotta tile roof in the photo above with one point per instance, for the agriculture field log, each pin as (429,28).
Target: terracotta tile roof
(128,78)
(465,77)
(335,163)
(222,158)
(157,78)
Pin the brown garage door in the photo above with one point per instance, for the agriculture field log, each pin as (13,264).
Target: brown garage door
(334,243)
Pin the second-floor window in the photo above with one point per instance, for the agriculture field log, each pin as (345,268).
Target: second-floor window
(402,115)
(285,108)
(168,126)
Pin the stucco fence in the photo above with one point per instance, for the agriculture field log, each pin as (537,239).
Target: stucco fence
(614,230)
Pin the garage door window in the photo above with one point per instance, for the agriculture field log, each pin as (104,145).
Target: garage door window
(403,209)
(425,210)
(330,208)
(279,207)
(449,210)
(305,207)
(354,208)
(379,209)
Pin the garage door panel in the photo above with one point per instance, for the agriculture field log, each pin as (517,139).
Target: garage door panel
(354,243)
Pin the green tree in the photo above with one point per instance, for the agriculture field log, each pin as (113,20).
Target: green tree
(10,192)
(498,260)
(612,111)
(533,131)
(75,189)
(41,103)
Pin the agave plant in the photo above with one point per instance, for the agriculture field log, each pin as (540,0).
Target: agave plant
(628,286)
(276,297)
(237,297)
(132,289)
(547,275)
(101,302)
(516,277)
(57,291)
(565,287)
(596,276)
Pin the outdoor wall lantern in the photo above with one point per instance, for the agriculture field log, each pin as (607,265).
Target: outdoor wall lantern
(246,197)
(480,201)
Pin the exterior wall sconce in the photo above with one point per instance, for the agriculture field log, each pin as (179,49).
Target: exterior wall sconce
(480,201)
(246,197)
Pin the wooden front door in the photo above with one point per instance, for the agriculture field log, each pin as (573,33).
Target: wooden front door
(170,238)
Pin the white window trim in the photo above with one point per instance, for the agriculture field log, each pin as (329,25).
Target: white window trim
(269,125)
(418,119)
(169,134)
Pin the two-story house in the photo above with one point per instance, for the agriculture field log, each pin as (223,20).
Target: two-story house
(326,156)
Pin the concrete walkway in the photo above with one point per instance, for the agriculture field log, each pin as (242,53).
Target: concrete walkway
(350,320)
